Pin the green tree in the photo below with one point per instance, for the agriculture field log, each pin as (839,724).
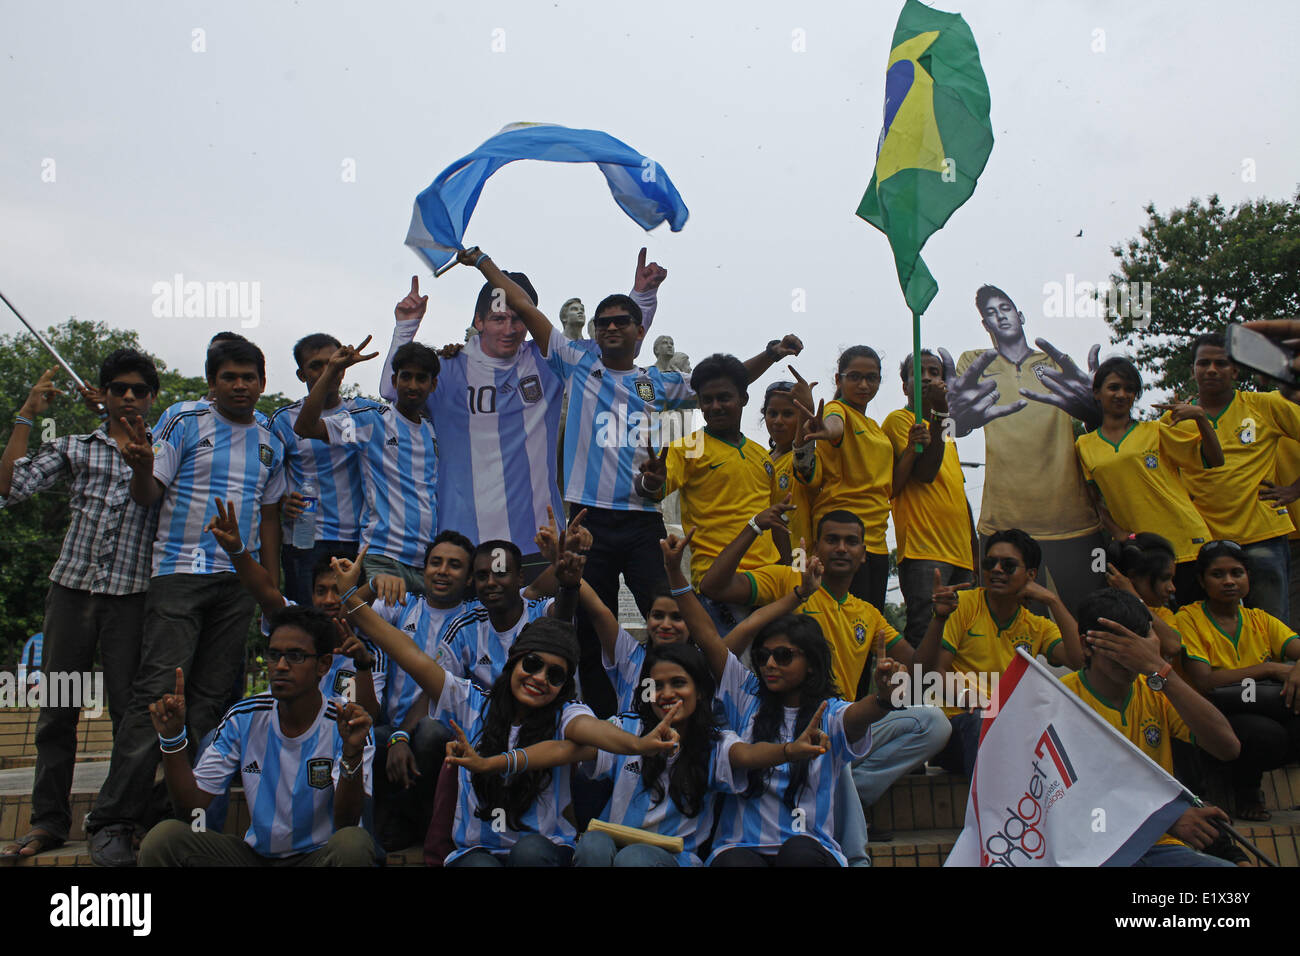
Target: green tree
(1207,266)
(31,532)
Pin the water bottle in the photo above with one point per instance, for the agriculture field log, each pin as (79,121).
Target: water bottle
(304,529)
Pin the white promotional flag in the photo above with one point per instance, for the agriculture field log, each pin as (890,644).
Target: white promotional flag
(1055,785)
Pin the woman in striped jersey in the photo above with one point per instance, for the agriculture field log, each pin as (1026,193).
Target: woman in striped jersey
(514,816)
(786,816)
(673,794)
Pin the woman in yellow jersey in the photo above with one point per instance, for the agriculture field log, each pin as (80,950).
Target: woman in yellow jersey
(1132,467)
(782,417)
(1228,645)
(1144,566)
(861,465)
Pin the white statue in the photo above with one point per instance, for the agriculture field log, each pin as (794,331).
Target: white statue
(572,315)
(667,359)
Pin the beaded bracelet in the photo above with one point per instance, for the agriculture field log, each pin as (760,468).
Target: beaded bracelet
(399,736)
(19,420)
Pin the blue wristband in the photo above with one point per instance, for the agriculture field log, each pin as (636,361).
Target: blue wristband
(19,420)
(677,592)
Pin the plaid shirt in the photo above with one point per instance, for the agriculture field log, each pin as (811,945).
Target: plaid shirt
(107,549)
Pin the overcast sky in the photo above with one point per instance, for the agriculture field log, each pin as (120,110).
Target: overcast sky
(231,163)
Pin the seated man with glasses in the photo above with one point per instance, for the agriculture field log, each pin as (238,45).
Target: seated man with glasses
(293,733)
(975,633)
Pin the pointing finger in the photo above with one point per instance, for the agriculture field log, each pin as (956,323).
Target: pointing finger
(415,285)
(640,260)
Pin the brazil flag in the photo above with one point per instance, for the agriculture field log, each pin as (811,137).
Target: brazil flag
(934,141)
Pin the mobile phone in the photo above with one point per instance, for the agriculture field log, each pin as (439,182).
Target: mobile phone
(1262,354)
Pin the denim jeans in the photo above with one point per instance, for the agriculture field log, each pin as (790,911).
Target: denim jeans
(899,741)
(1269,565)
(533,849)
(599,849)
(1170,855)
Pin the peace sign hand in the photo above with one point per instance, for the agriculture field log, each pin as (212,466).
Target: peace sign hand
(801,394)
(137,452)
(944,596)
(461,753)
(168,711)
(775,517)
(813,742)
(813,427)
(812,572)
(648,278)
(225,528)
(662,739)
(654,470)
(411,308)
(347,356)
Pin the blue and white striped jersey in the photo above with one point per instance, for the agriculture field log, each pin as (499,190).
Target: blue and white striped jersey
(336,469)
(631,802)
(624,672)
(342,670)
(399,472)
(200,455)
(174,409)
(611,417)
(473,648)
(497,421)
(288,782)
(466,704)
(426,625)
(765,822)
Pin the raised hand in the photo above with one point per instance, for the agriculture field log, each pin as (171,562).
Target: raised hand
(654,470)
(576,537)
(944,596)
(94,398)
(548,538)
(813,742)
(137,452)
(919,434)
(662,739)
(673,547)
(648,277)
(568,569)
(450,350)
(225,528)
(354,725)
(347,356)
(461,753)
(352,646)
(775,516)
(812,573)
(349,572)
(801,394)
(790,344)
(413,306)
(1115,578)
(1036,592)
(973,404)
(168,711)
(934,397)
(812,426)
(1069,389)
(42,395)
(1181,411)
(886,668)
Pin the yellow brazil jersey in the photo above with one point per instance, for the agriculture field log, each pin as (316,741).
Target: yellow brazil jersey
(802,494)
(930,519)
(1139,480)
(1031,478)
(1258,637)
(982,645)
(861,475)
(1228,496)
(1288,469)
(723,486)
(849,626)
(1144,716)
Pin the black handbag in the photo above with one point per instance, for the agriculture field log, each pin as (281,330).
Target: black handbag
(1268,700)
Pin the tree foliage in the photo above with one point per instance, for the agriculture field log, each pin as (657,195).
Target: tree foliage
(31,532)
(1207,266)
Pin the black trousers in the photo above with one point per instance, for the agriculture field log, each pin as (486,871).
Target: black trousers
(627,543)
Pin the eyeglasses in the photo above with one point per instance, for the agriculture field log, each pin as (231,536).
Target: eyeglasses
(605,321)
(555,674)
(1005,565)
(853,378)
(782,655)
(1230,545)
(294,656)
(137,389)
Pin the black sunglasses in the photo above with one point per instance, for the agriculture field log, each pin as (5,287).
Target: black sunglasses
(138,389)
(605,321)
(782,655)
(555,674)
(1005,565)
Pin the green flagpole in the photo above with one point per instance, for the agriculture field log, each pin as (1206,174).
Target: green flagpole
(916,372)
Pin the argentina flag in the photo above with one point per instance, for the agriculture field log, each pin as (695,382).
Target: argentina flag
(639,185)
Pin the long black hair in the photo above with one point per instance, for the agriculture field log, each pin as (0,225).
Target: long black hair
(518,793)
(819,683)
(1142,558)
(688,780)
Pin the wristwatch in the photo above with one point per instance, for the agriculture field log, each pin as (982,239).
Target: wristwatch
(1158,680)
